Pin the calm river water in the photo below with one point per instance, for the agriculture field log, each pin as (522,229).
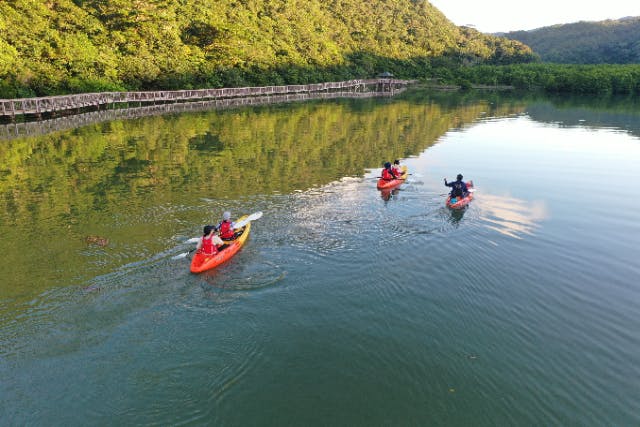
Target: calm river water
(347,306)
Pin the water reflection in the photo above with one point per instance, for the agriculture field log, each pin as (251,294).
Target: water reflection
(43,127)
(389,193)
(140,182)
(511,216)
(584,111)
(331,274)
(456,215)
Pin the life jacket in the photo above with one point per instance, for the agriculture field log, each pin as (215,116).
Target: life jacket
(225,229)
(387,174)
(208,247)
(397,170)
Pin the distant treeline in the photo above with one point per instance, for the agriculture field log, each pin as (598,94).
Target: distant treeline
(604,42)
(557,78)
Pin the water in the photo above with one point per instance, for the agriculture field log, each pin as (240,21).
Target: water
(347,306)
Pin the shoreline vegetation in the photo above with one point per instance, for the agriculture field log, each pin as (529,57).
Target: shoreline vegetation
(600,79)
(570,79)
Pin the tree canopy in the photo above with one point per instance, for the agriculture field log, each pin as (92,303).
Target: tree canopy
(71,46)
(603,42)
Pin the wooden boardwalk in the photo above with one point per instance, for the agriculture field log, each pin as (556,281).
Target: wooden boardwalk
(42,127)
(69,103)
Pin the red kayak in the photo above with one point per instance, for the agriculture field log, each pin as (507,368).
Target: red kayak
(384,184)
(461,203)
(201,262)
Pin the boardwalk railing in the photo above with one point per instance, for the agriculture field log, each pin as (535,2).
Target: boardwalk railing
(43,127)
(54,104)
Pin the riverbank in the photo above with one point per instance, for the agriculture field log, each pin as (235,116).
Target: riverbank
(435,84)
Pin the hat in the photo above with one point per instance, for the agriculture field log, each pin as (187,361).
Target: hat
(387,165)
(396,162)
(208,229)
(226,215)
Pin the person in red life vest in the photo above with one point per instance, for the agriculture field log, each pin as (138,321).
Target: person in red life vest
(387,173)
(397,169)
(209,243)
(225,227)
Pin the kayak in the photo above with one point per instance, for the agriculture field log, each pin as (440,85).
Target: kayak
(461,203)
(201,262)
(391,183)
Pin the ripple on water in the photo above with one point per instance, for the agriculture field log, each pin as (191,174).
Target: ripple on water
(244,276)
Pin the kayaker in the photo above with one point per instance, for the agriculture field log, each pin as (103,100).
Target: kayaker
(387,173)
(209,243)
(458,187)
(397,169)
(225,227)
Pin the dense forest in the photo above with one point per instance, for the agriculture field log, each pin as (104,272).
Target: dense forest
(71,46)
(615,79)
(603,42)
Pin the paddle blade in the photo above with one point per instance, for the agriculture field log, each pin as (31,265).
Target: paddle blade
(180,256)
(247,220)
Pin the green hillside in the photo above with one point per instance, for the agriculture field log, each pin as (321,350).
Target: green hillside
(604,42)
(67,46)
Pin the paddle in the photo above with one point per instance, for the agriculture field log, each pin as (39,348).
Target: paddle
(239,224)
(247,220)
(183,255)
(470,190)
(391,179)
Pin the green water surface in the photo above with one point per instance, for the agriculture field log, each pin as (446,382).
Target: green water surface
(347,305)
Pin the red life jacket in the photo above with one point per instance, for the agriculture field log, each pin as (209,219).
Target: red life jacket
(208,247)
(226,231)
(387,175)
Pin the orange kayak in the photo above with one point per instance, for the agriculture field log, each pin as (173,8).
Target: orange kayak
(391,183)
(461,203)
(201,262)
